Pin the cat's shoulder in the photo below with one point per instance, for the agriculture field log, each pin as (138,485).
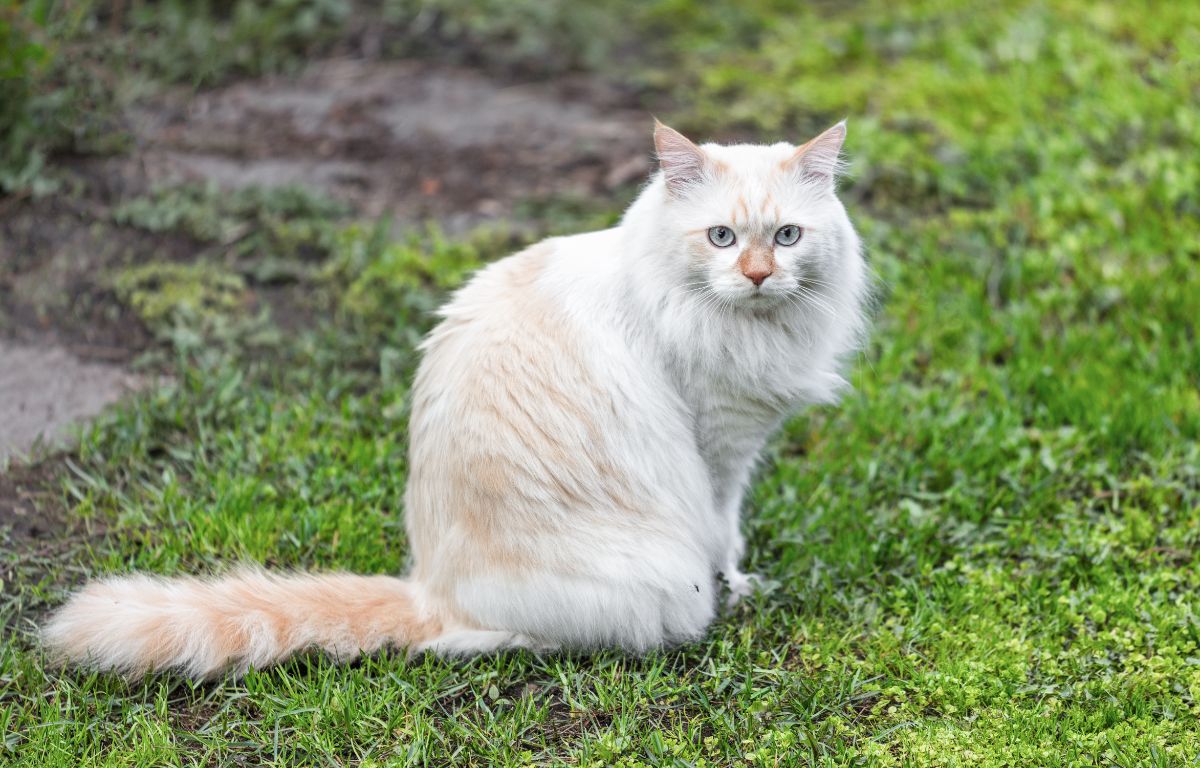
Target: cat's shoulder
(562,258)
(544,265)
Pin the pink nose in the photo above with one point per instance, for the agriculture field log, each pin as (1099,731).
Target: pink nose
(757,276)
(756,263)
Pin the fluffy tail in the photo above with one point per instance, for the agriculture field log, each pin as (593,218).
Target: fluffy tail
(139,623)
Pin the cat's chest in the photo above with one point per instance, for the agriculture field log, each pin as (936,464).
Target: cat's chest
(740,379)
(735,416)
(730,431)
(753,378)
(741,394)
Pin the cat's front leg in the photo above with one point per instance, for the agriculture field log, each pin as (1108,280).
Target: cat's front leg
(741,584)
(730,454)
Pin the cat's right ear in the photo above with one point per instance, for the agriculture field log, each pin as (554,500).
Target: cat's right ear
(681,161)
(820,159)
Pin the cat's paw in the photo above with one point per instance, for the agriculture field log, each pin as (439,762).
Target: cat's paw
(741,585)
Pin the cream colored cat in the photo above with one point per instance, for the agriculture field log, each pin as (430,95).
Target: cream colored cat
(584,425)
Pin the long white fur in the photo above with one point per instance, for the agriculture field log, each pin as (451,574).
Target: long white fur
(585,422)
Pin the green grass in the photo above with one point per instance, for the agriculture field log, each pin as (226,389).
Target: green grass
(985,556)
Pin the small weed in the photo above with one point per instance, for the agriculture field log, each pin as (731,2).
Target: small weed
(165,293)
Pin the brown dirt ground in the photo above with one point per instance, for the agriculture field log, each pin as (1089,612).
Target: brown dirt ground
(25,509)
(407,139)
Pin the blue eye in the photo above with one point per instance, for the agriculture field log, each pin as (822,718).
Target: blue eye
(789,234)
(722,237)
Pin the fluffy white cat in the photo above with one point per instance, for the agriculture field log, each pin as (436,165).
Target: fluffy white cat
(584,424)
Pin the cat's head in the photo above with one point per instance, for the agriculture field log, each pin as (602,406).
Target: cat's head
(760,225)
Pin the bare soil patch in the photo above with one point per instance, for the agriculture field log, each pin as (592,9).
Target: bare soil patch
(45,390)
(65,341)
(56,259)
(26,512)
(407,139)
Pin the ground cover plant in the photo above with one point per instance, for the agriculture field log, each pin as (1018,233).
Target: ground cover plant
(985,556)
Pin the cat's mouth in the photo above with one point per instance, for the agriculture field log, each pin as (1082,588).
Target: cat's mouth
(761,299)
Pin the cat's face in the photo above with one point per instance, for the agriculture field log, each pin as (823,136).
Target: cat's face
(761,225)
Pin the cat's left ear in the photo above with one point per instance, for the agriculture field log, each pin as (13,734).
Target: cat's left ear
(820,159)
(682,162)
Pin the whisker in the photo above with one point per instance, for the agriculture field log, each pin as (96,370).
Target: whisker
(816,302)
(805,328)
(803,281)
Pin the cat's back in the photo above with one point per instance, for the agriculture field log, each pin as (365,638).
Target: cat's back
(532,295)
(551,269)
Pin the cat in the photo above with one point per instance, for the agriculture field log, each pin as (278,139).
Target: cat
(585,420)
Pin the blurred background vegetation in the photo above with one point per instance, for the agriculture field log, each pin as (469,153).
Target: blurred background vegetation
(985,556)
